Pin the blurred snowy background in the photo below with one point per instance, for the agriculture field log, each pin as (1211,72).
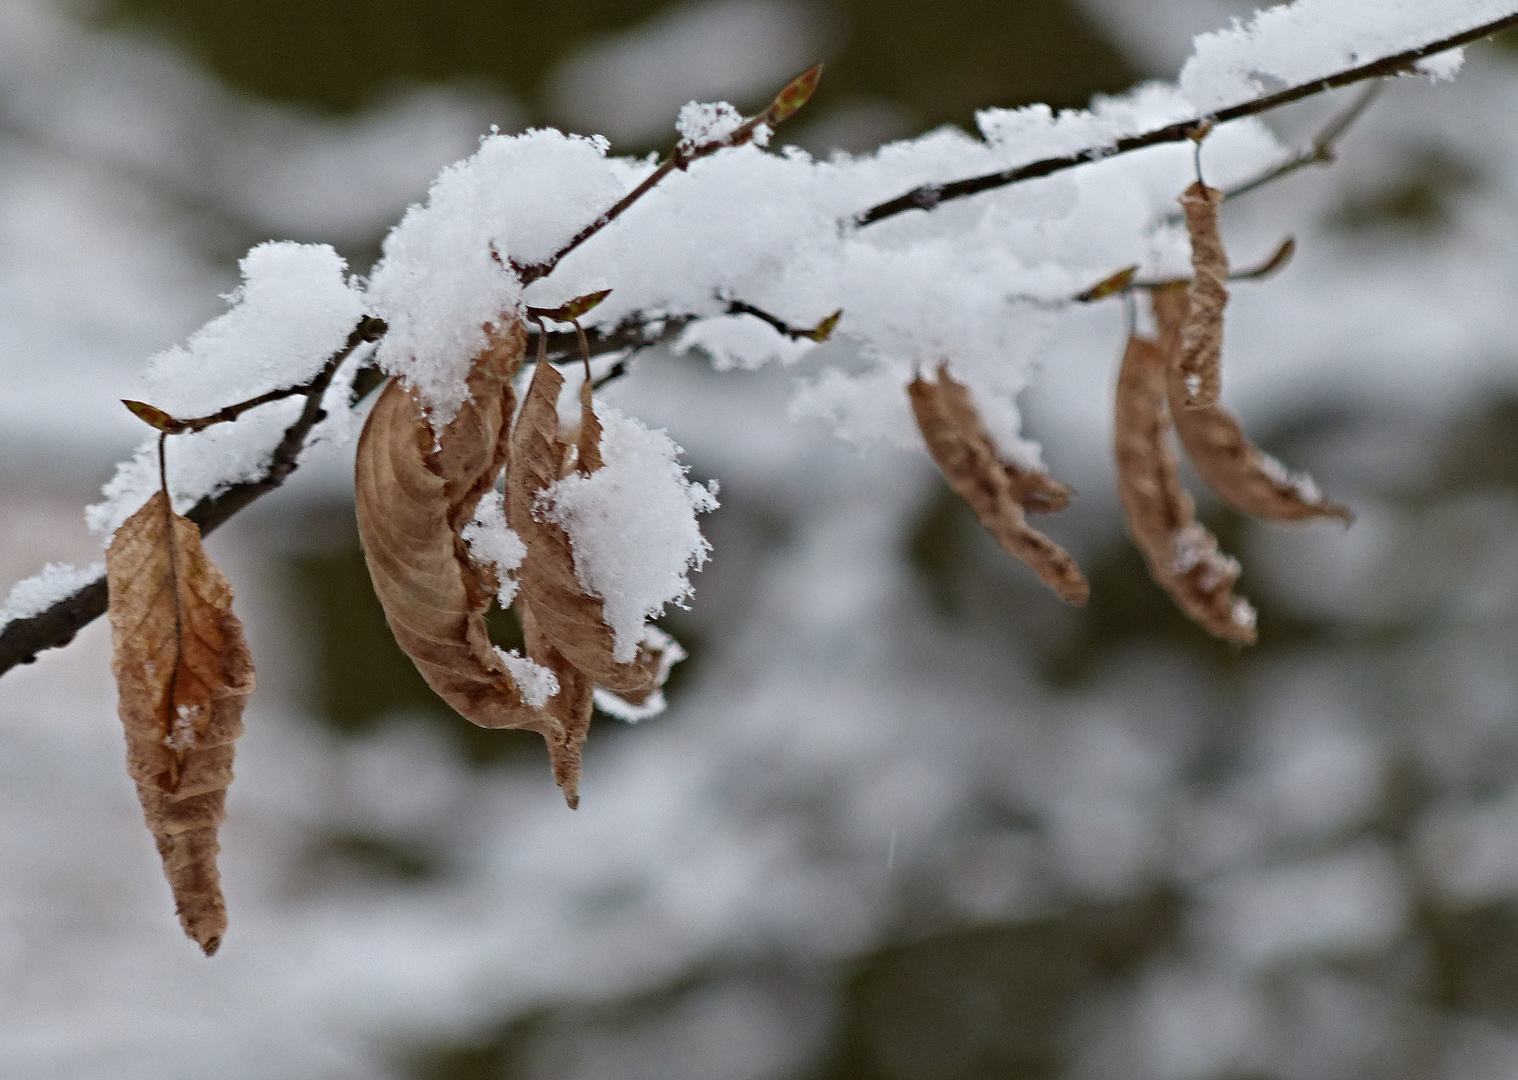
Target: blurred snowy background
(908,817)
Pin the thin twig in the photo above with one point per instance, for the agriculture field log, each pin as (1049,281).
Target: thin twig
(633,333)
(821,332)
(792,97)
(927,196)
(22,639)
(1319,151)
(1257,272)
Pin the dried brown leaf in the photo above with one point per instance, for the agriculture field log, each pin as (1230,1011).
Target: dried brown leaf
(588,443)
(1202,335)
(567,614)
(415,492)
(1034,490)
(570,707)
(997,492)
(1183,556)
(1241,475)
(183,673)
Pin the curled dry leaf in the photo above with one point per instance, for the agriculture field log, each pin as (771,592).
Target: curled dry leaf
(415,491)
(1241,475)
(1034,490)
(570,707)
(997,492)
(1202,334)
(588,442)
(1183,556)
(183,673)
(569,617)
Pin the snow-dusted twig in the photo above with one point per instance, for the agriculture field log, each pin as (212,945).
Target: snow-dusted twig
(928,196)
(22,639)
(821,332)
(1320,151)
(795,94)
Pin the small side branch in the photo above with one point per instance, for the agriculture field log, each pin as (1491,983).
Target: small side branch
(1319,151)
(795,94)
(821,332)
(22,639)
(928,196)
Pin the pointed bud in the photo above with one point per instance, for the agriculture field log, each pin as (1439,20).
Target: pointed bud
(1118,282)
(824,330)
(153,416)
(572,310)
(797,93)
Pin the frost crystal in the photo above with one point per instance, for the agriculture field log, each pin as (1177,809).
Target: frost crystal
(633,527)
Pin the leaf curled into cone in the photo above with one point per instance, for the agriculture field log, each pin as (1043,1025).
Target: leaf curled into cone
(1241,475)
(1202,335)
(151,415)
(1183,556)
(416,490)
(997,492)
(183,673)
(570,618)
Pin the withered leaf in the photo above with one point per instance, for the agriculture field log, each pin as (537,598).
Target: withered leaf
(415,492)
(588,443)
(570,708)
(183,673)
(1202,335)
(1241,475)
(1183,556)
(997,492)
(568,616)
(1034,490)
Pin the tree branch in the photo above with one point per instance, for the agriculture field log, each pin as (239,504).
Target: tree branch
(22,639)
(795,94)
(928,196)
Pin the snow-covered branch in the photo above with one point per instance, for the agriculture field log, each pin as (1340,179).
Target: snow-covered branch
(929,196)
(739,250)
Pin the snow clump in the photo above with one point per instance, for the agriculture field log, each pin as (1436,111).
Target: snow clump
(495,543)
(633,527)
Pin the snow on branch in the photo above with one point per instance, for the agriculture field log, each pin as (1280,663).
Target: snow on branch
(751,256)
(1226,61)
